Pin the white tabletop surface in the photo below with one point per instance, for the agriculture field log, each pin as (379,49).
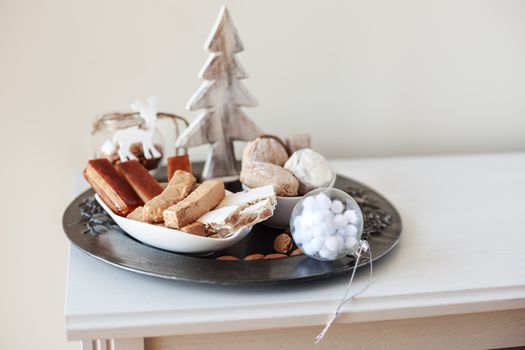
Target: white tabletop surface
(462,250)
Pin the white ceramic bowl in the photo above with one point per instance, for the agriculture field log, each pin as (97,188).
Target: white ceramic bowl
(172,239)
(283,210)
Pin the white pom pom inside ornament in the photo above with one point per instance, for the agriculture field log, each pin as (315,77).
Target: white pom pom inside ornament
(327,224)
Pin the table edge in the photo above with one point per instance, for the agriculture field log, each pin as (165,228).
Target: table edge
(291,315)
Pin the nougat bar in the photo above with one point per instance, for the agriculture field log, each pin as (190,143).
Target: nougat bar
(220,220)
(199,202)
(196,228)
(180,185)
(249,197)
(255,213)
(140,179)
(112,187)
(136,214)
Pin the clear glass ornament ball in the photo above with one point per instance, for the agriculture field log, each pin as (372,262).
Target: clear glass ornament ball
(327,224)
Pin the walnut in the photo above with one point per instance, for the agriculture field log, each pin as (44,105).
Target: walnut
(283,243)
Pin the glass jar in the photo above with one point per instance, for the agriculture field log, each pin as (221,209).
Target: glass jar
(105,127)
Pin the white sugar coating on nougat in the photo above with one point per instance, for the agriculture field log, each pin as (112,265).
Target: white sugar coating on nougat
(241,209)
(248,197)
(257,174)
(310,168)
(229,219)
(256,213)
(220,218)
(264,149)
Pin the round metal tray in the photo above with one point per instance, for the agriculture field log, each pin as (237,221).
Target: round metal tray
(382,229)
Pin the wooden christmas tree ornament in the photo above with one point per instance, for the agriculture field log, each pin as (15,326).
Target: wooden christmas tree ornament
(222,95)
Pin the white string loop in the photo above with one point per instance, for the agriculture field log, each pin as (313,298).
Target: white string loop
(363,247)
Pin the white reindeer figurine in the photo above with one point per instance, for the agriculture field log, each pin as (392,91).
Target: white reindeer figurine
(143,134)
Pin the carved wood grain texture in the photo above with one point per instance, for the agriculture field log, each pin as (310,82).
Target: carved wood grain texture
(221,95)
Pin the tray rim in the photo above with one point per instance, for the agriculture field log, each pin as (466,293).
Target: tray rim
(290,279)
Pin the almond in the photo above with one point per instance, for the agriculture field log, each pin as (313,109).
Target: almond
(254,257)
(296,252)
(275,256)
(227,257)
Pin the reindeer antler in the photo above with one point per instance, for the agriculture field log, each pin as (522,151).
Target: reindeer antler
(152,102)
(148,110)
(138,106)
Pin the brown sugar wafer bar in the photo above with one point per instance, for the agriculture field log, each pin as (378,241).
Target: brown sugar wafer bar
(180,185)
(178,163)
(199,202)
(140,179)
(112,187)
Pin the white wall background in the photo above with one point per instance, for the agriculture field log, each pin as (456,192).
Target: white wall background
(365,78)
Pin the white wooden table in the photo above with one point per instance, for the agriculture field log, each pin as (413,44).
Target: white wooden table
(456,280)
